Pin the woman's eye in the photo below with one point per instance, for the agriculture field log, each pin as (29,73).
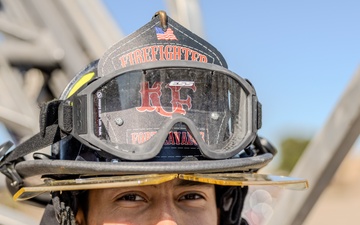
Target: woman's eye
(191,196)
(131,197)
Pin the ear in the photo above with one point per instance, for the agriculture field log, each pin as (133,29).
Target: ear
(80,217)
(218,216)
(230,202)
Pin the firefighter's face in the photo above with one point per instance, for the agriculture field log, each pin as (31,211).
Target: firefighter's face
(174,202)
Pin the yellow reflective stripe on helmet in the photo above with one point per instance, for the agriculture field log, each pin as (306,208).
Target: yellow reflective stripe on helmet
(83,80)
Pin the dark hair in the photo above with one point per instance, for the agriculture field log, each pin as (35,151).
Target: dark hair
(230,201)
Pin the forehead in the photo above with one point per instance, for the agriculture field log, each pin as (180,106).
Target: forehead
(181,182)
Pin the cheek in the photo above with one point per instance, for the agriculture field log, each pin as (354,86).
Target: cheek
(113,217)
(200,218)
(102,215)
(99,209)
(212,216)
(103,211)
(205,216)
(96,214)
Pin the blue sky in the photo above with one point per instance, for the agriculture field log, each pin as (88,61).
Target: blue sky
(300,55)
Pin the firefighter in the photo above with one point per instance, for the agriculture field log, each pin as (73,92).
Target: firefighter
(157,131)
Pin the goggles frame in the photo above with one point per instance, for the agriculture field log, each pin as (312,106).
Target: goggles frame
(83,105)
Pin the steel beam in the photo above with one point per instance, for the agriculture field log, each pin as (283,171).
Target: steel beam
(322,157)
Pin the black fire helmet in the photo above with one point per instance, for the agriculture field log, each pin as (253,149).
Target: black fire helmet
(158,105)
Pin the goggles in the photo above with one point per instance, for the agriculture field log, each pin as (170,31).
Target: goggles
(131,113)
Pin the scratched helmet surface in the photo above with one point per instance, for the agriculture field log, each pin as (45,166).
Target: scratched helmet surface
(159,103)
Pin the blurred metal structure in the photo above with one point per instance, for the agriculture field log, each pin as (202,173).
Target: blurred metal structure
(43,44)
(10,216)
(188,14)
(322,157)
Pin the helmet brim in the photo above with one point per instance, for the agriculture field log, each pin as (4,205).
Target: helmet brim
(224,179)
(89,168)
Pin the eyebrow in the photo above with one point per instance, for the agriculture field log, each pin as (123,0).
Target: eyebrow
(191,183)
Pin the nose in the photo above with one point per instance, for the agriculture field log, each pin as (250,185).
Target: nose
(166,213)
(166,222)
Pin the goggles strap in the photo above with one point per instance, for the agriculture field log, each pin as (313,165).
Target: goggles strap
(36,142)
(48,114)
(50,133)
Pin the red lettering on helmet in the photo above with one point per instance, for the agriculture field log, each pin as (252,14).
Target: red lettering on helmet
(150,99)
(138,56)
(185,52)
(134,138)
(177,136)
(154,52)
(191,139)
(169,52)
(141,137)
(177,103)
(123,60)
(184,138)
(146,54)
(170,139)
(160,53)
(177,52)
